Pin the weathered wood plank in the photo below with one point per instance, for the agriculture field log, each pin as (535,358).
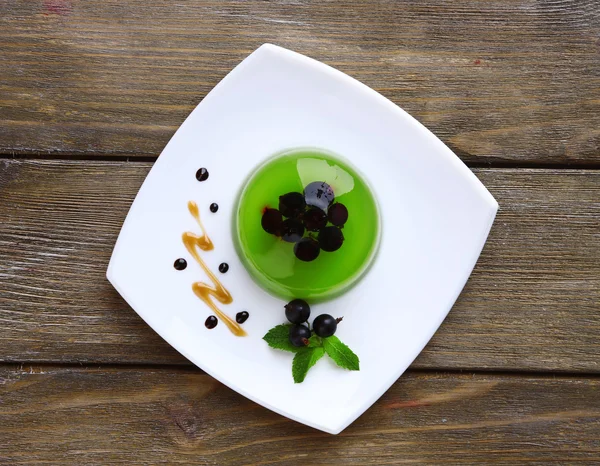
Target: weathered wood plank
(532,302)
(515,81)
(108,416)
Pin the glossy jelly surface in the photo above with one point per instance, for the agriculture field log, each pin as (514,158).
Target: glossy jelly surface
(271,261)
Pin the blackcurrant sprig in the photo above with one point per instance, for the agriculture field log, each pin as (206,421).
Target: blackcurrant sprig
(325,325)
(297,311)
(299,335)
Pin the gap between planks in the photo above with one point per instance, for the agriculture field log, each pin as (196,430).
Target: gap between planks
(36,366)
(579,165)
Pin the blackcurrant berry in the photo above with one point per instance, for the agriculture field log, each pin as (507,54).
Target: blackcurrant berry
(271,221)
(314,219)
(319,194)
(291,204)
(324,325)
(307,249)
(338,214)
(297,311)
(299,335)
(331,239)
(292,230)
(223,267)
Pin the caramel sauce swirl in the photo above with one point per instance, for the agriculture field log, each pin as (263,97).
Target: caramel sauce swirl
(193,242)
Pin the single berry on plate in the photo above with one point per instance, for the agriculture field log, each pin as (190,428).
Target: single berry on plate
(319,194)
(223,267)
(325,325)
(331,239)
(214,207)
(314,219)
(297,311)
(307,249)
(242,317)
(291,204)
(338,214)
(271,221)
(202,174)
(299,335)
(180,264)
(292,230)
(211,322)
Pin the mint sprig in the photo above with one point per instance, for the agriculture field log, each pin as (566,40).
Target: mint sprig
(306,357)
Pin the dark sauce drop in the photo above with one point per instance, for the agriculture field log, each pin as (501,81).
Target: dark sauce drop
(180,264)
(202,174)
(214,207)
(224,267)
(211,322)
(242,317)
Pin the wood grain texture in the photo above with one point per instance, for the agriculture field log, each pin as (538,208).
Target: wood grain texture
(107,416)
(498,81)
(532,302)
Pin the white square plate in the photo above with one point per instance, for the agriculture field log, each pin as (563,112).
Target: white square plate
(436,216)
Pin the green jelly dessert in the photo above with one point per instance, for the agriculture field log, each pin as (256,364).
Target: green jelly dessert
(271,260)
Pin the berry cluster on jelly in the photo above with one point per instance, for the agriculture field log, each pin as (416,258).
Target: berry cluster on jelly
(314,213)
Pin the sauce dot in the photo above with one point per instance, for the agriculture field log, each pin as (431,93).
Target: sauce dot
(211,322)
(180,264)
(242,317)
(214,207)
(224,267)
(202,174)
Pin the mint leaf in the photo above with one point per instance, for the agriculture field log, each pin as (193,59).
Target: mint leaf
(279,338)
(340,353)
(315,341)
(304,360)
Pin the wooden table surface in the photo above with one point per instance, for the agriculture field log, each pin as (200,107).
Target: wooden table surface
(90,92)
